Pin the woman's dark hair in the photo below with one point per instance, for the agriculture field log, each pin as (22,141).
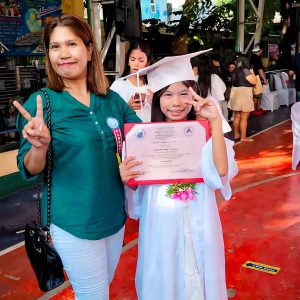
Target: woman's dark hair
(242,62)
(156,113)
(204,72)
(143,46)
(96,79)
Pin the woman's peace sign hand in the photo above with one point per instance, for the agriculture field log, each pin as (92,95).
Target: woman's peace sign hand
(35,131)
(203,107)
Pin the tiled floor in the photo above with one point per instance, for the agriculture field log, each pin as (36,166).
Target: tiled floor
(261,223)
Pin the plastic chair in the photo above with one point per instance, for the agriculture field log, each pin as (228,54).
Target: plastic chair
(269,100)
(283,93)
(292,91)
(295,117)
(285,79)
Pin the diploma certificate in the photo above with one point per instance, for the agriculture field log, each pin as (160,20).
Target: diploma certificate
(170,152)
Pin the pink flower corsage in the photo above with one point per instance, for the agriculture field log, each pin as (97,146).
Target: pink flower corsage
(181,191)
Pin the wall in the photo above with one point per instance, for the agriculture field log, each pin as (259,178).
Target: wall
(11,180)
(8,163)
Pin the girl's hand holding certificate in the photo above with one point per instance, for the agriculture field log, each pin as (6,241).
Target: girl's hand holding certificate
(126,171)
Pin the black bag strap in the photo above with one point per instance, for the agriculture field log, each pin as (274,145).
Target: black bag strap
(47,173)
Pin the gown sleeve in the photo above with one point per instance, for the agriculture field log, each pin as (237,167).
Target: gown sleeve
(210,173)
(133,198)
(225,125)
(133,201)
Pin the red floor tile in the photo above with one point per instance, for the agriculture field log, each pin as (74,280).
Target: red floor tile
(261,223)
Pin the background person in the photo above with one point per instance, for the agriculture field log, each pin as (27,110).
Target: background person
(217,67)
(211,86)
(295,70)
(256,64)
(241,98)
(138,56)
(87,195)
(231,68)
(194,62)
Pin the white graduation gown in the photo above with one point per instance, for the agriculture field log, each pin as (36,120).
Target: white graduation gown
(160,268)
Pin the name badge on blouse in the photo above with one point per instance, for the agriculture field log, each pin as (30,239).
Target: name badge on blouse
(113,124)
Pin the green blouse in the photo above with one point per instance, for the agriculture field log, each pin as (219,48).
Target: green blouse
(87,194)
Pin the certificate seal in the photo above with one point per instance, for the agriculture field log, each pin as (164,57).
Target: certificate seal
(140,133)
(188,131)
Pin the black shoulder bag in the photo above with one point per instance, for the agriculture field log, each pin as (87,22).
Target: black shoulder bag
(44,259)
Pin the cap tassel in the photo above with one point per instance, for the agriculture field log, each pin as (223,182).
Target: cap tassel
(140,95)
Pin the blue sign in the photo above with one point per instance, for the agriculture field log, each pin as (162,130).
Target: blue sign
(22,23)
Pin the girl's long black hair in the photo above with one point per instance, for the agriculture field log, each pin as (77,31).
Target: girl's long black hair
(156,113)
(204,72)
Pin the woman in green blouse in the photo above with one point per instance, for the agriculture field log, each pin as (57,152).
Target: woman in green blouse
(87,195)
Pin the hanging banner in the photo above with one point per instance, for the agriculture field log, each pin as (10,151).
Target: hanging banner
(22,23)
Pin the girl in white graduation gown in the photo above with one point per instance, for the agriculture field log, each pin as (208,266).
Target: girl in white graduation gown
(180,247)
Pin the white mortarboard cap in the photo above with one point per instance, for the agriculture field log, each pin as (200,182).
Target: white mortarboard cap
(169,70)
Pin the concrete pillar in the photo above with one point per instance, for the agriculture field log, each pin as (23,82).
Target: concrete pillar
(241,25)
(260,16)
(96,23)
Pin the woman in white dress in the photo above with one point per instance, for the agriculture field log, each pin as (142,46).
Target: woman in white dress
(180,248)
(135,90)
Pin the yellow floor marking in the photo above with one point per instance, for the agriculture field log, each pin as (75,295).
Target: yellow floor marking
(261,267)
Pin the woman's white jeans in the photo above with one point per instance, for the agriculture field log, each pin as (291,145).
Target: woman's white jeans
(90,264)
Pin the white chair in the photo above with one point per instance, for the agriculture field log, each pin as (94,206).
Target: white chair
(295,117)
(285,79)
(269,100)
(283,93)
(285,83)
